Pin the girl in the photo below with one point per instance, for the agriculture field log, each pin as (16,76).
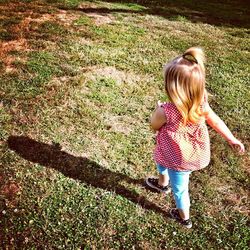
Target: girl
(182,142)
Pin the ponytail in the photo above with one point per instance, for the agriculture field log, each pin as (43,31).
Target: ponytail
(195,55)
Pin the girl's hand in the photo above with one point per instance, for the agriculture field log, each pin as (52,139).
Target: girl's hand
(236,144)
(159,103)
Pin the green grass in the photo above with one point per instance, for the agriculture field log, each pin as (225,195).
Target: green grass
(74,110)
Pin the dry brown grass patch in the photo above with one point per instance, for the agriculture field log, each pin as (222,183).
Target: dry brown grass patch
(233,199)
(10,191)
(6,48)
(121,124)
(117,75)
(98,17)
(101,19)
(23,20)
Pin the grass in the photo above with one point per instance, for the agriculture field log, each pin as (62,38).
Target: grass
(79,81)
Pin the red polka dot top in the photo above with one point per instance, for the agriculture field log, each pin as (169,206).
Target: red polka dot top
(181,147)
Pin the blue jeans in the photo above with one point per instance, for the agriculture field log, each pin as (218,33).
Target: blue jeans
(179,181)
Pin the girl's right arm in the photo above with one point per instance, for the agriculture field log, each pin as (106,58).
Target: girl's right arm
(158,118)
(219,126)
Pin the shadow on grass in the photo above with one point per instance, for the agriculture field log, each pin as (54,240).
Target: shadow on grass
(229,13)
(79,168)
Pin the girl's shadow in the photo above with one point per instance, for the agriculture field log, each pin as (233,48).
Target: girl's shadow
(79,168)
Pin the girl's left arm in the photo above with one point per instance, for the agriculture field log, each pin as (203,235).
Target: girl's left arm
(219,126)
(158,118)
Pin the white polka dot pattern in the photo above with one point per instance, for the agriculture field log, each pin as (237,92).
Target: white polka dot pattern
(182,147)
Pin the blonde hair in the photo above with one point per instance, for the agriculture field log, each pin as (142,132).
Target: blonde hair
(185,83)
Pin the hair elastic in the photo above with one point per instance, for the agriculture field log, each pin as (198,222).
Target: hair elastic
(190,58)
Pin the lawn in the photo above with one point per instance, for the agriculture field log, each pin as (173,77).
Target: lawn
(79,80)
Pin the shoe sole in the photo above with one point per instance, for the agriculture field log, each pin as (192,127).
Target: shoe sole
(188,226)
(154,187)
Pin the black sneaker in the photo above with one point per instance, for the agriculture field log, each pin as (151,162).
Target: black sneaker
(174,213)
(153,183)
